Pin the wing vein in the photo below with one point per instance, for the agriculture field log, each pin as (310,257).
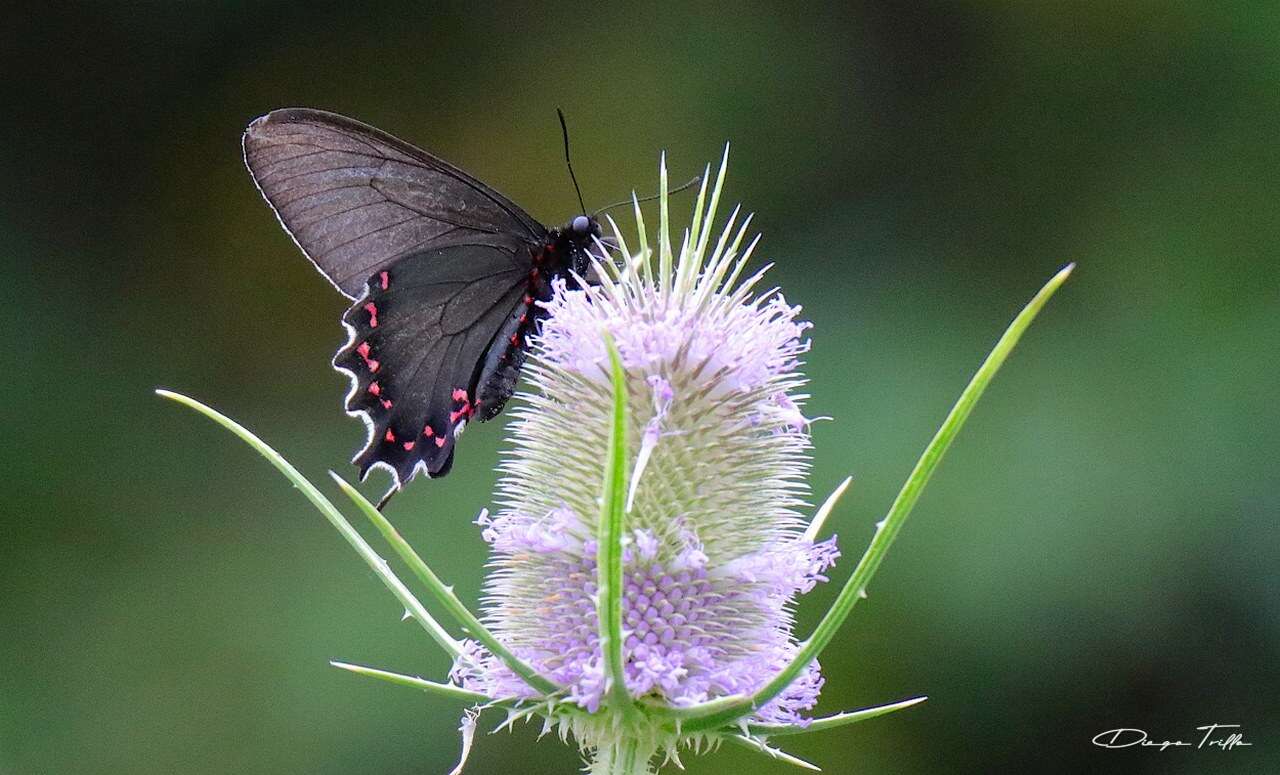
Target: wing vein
(369,233)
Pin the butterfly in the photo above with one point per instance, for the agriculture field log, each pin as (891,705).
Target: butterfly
(444,275)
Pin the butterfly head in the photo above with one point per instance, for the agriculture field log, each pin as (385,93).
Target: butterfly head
(582,235)
(583,229)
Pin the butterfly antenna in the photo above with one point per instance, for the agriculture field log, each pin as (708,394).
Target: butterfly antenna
(564,130)
(682,187)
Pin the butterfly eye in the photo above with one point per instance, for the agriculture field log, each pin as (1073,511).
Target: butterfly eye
(581,225)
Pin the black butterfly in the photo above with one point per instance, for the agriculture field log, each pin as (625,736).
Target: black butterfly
(444,273)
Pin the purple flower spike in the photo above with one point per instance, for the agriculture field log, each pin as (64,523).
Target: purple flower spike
(714,548)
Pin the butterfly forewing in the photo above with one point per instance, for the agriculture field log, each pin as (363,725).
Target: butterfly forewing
(356,199)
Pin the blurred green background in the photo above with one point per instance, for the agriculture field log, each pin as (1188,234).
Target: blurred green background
(1098,551)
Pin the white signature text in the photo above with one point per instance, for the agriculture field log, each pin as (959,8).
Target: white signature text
(1221,736)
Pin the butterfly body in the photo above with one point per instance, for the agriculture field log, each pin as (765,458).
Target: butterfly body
(564,255)
(445,275)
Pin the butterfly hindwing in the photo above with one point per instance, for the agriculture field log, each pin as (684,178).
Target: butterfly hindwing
(356,199)
(420,334)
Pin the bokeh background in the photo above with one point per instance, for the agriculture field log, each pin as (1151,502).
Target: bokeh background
(1099,550)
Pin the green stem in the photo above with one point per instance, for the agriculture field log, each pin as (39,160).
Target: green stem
(443,593)
(609,579)
(624,756)
(887,529)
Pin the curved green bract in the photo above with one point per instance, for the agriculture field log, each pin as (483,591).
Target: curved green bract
(444,594)
(609,578)
(831,722)
(331,513)
(413,682)
(699,718)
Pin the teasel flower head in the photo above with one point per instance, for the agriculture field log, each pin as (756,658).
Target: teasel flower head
(714,549)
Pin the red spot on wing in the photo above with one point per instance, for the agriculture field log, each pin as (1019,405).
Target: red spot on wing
(441,441)
(385,280)
(375,388)
(386,404)
(466,408)
(428,431)
(372,309)
(390,437)
(363,350)
(408,445)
